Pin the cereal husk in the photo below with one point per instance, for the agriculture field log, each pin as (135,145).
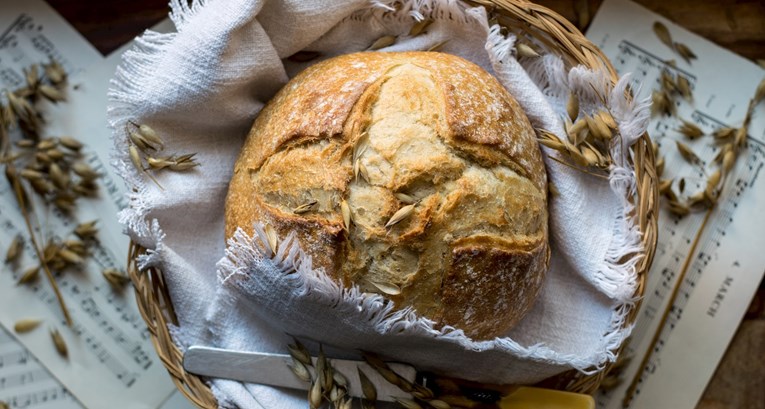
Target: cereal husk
(662,32)
(306,207)
(439,404)
(55,154)
(340,379)
(665,185)
(577,127)
(525,50)
(419,27)
(140,142)
(58,176)
(324,370)
(608,119)
(55,72)
(86,230)
(70,256)
(382,42)
(572,106)
(271,238)
(59,343)
(685,52)
(47,143)
(582,10)
(729,159)
(400,215)
(14,250)
(51,94)
(668,82)
(135,157)
(552,189)
(116,278)
(299,352)
(690,130)
(367,387)
(697,198)
(678,208)
(437,46)
(687,153)
(739,138)
(408,403)
(314,395)
(724,133)
(405,198)
(300,370)
(84,171)
(29,275)
(662,104)
(151,136)
(346,213)
(346,404)
(684,87)
(387,288)
(759,94)
(363,171)
(25,325)
(71,143)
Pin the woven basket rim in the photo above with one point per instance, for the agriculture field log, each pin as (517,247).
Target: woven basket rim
(557,34)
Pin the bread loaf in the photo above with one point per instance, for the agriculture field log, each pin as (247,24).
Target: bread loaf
(428,139)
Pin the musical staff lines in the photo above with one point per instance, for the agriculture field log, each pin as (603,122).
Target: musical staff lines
(24,383)
(15,44)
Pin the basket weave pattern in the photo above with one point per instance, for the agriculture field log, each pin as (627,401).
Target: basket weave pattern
(558,36)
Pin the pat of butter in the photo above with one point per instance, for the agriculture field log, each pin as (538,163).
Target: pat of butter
(537,398)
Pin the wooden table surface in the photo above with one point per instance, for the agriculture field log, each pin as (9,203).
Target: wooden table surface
(739,25)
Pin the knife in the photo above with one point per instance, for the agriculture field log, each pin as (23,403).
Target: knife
(272,369)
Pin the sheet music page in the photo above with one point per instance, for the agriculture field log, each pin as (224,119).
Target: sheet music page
(111,359)
(25,383)
(729,261)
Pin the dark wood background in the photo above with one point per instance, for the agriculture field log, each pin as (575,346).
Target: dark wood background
(739,25)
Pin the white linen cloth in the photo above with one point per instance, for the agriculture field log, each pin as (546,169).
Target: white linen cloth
(201,87)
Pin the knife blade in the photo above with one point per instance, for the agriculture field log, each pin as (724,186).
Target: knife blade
(272,369)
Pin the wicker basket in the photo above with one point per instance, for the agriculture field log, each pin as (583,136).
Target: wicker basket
(559,36)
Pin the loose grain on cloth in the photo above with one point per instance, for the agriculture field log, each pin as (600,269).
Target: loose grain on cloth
(201,88)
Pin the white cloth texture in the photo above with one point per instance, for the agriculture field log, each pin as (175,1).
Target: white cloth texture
(201,88)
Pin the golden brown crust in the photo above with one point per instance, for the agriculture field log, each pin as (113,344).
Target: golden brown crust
(470,295)
(473,250)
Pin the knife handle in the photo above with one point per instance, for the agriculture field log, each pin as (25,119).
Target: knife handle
(527,397)
(474,395)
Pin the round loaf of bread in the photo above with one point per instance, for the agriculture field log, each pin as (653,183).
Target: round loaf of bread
(437,167)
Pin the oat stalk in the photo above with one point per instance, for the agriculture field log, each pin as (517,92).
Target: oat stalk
(562,162)
(665,315)
(18,190)
(49,164)
(327,385)
(715,185)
